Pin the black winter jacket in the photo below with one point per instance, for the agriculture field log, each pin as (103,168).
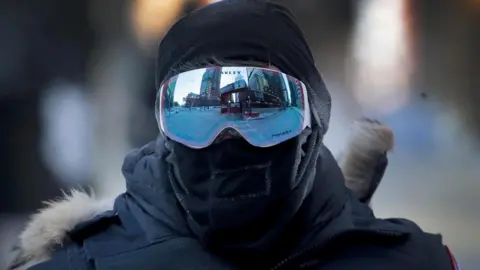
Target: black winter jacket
(147,230)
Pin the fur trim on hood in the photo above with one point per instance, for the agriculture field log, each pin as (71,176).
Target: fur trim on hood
(369,139)
(48,229)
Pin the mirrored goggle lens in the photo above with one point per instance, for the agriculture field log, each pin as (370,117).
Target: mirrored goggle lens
(264,106)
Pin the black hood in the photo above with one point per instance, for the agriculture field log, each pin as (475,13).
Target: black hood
(245,30)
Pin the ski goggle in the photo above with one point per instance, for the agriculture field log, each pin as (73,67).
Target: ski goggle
(264,106)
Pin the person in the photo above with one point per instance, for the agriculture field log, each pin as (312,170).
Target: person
(268,195)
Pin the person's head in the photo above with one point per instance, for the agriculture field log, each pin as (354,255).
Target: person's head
(240,184)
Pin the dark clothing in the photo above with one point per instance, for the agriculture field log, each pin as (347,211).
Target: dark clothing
(148,229)
(242,197)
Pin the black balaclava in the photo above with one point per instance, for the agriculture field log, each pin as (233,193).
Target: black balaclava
(236,196)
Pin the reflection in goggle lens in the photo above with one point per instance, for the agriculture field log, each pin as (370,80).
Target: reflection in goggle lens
(264,106)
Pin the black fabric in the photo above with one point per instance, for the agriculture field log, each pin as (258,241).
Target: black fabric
(237,29)
(235,185)
(246,200)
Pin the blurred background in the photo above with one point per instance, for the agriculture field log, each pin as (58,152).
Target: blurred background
(77,92)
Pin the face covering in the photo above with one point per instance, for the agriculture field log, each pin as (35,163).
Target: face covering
(237,195)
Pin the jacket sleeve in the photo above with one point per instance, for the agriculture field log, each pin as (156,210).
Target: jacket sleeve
(71,257)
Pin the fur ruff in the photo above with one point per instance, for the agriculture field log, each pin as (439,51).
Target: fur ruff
(369,139)
(48,229)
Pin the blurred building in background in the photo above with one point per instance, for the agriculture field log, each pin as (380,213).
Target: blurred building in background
(77,92)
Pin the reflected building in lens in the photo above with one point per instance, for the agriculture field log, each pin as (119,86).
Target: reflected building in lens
(257,82)
(210,86)
(192,100)
(231,97)
(277,89)
(296,97)
(268,88)
(169,92)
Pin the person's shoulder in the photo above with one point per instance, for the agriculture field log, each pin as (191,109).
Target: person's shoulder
(406,226)
(423,248)
(48,233)
(386,244)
